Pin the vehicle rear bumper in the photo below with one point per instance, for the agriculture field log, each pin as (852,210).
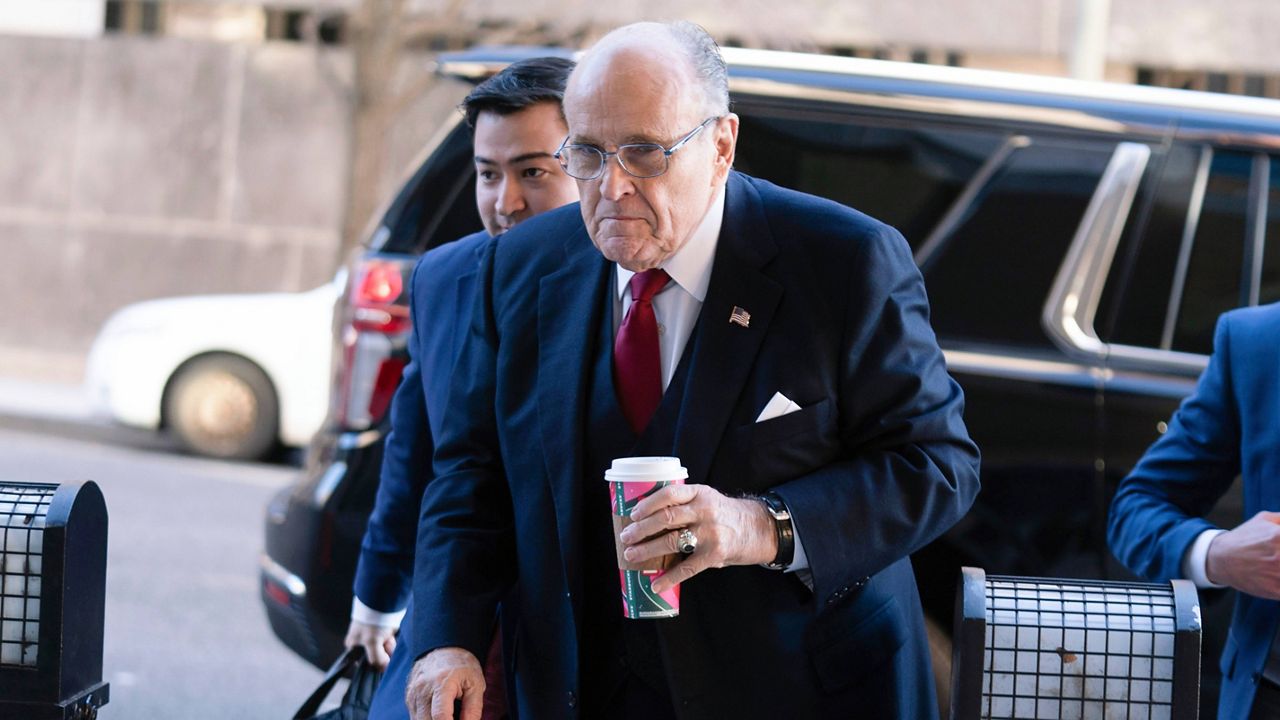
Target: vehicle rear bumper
(312,540)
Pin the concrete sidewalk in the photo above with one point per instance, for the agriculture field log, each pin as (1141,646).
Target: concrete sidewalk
(62,409)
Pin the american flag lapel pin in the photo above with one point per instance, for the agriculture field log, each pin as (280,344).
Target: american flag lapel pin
(740,317)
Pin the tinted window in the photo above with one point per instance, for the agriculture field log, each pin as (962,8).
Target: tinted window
(988,280)
(907,177)
(1217,255)
(1270,289)
(438,203)
(1135,300)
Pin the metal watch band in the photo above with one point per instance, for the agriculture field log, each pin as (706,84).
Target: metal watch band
(785,532)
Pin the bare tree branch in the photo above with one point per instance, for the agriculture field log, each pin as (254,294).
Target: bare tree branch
(381,34)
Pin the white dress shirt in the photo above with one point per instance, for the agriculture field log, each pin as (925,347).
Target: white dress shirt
(677,305)
(367,615)
(1195,564)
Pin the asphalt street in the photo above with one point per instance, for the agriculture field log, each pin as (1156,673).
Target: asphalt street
(186,636)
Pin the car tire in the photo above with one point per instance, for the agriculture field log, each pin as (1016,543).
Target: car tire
(223,406)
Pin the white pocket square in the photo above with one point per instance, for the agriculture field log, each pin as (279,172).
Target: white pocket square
(777,406)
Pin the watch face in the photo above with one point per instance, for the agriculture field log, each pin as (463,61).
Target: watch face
(776,507)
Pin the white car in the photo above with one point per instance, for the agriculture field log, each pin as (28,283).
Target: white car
(229,375)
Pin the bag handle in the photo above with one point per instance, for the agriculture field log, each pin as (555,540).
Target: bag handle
(338,670)
(364,683)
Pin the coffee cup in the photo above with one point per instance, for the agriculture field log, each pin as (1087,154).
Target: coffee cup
(631,480)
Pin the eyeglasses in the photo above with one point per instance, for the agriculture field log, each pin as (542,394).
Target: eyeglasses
(642,160)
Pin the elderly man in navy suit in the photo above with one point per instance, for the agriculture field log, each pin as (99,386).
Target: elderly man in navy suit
(517,124)
(1229,427)
(777,343)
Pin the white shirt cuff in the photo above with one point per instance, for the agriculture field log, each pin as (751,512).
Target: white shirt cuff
(1194,564)
(364,614)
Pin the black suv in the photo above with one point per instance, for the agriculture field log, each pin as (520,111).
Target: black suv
(1077,242)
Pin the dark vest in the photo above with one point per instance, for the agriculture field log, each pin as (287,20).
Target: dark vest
(612,648)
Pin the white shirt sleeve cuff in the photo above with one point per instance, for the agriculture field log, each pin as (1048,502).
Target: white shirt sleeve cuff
(1194,564)
(364,614)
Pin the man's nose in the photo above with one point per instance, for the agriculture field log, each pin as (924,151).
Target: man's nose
(615,183)
(510,198)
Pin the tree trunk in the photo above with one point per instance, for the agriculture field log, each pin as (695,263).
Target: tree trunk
(376,47)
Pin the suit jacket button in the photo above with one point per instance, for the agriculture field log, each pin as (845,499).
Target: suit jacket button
(573,700)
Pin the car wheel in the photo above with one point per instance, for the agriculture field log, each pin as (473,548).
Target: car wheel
(223,406)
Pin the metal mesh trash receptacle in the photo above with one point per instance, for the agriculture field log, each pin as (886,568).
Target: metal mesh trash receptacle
(53,565)
(1059,648)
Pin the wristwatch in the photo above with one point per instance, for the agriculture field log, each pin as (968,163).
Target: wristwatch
(782,526)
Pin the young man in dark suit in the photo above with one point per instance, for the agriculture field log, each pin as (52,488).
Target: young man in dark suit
(775,342)
(517,124)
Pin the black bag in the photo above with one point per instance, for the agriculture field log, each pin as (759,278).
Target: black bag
(355,704)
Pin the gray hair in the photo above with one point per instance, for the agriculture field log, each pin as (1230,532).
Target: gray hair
(707,64)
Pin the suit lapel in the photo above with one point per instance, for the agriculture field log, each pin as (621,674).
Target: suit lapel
(569,303)
(725,352)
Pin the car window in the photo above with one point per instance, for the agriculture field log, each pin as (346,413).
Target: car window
(1269,291)
(437,204)
(988,279)
(1213,277)
(1135,299)
(905,176)
(1177,269)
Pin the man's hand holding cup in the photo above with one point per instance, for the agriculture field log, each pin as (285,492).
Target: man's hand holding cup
(729,531)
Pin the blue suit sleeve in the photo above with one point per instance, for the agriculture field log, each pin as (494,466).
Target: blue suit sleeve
(466,553)
(1158,509)
(386,553)
(909,470)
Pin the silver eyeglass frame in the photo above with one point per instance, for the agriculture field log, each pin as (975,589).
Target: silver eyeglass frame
(605,154)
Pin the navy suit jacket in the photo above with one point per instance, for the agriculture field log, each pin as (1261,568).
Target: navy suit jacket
(875,464)
(440,305)
(1228,427)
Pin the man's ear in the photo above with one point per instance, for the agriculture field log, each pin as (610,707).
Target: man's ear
(726,144)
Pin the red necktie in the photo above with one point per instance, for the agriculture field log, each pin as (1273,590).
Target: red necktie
(637,364)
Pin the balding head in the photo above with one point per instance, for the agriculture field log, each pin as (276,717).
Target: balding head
(661,91)
(681,50)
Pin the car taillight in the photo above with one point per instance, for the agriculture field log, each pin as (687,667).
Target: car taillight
(380,282)
(373,335)
(374,299)
(278,594)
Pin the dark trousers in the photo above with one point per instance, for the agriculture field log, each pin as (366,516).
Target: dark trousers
(635,700)
(1266,702)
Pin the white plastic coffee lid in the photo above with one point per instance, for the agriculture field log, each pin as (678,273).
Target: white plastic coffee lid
(633,469)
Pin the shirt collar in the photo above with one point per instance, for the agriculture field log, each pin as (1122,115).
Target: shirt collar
(690,266)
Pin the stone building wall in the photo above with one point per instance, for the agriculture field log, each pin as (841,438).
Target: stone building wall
(137,168)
